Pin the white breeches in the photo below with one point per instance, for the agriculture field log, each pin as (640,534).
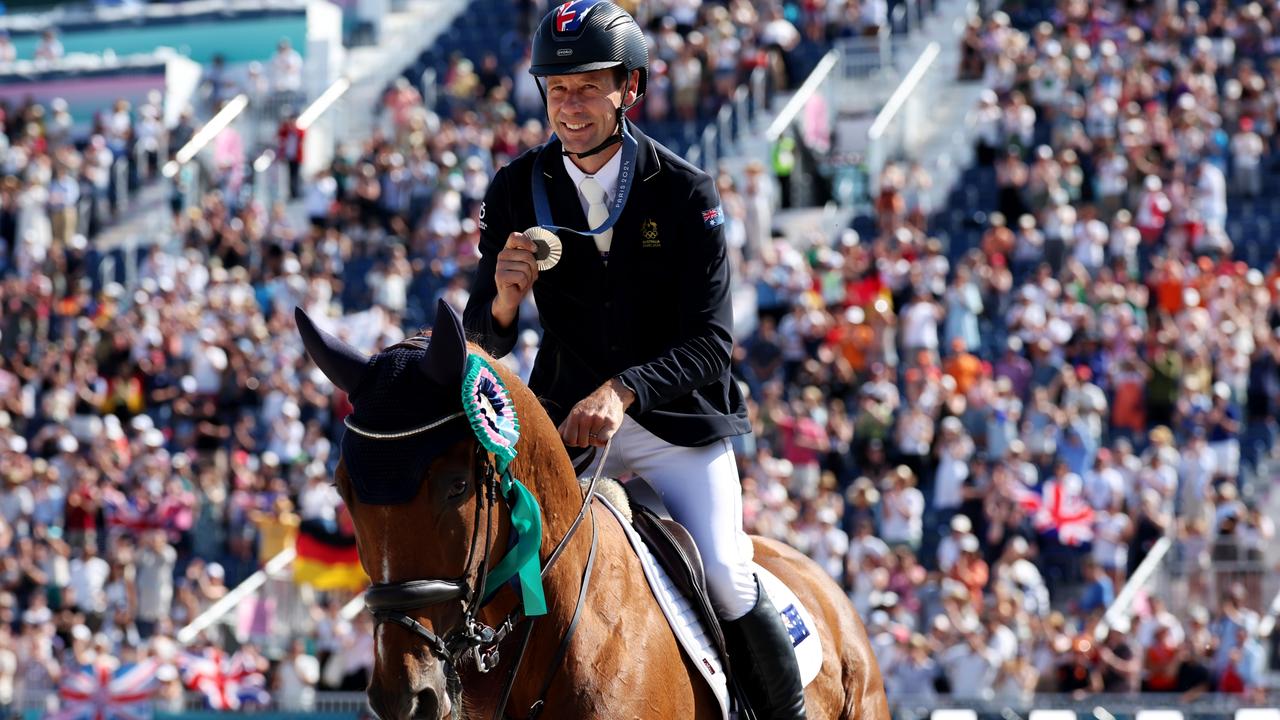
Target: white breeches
(701,489)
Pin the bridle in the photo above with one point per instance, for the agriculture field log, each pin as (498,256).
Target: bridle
(471,639)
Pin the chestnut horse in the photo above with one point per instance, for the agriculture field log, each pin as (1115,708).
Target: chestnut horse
(436,655)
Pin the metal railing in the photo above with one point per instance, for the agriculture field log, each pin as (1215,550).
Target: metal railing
(1121,609)
(231,601)
(323,122)
(807,90)
(862,57)
(895,132)
(735,120)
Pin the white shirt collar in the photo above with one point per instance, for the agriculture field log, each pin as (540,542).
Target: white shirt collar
(607,176)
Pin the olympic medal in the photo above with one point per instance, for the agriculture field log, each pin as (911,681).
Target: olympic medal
(549,247)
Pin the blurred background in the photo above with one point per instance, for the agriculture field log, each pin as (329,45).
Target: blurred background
(1007,304)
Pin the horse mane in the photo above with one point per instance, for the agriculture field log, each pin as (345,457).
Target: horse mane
(540,447)
(540,453)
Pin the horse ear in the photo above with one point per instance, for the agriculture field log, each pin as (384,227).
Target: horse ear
(446,358)
(341,363)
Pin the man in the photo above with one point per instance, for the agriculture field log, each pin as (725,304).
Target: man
(636,315)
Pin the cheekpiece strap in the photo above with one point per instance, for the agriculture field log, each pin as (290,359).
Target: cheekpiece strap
(492,414)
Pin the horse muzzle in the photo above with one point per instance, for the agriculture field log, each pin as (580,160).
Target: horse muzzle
(396,704)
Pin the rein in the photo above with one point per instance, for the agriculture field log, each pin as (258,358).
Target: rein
(390,602)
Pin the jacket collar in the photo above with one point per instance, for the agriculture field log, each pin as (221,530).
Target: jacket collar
(647,163)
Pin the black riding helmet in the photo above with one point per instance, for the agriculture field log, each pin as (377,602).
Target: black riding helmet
(585,35)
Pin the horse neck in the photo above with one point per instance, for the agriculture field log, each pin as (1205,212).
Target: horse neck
(544,467)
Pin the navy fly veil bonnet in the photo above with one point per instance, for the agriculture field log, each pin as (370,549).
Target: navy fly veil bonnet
(408,406)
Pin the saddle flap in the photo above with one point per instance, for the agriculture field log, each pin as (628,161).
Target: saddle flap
(672,545)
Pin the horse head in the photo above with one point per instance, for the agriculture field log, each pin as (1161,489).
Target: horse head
(427,505)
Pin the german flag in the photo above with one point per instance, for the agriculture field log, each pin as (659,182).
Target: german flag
(327,559)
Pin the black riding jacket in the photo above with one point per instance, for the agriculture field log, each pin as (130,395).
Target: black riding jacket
(657,315)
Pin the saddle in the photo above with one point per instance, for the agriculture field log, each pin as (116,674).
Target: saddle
(674,549)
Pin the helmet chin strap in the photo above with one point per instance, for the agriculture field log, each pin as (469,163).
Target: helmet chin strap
(616,137)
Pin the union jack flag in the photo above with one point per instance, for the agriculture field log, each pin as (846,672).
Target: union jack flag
(567,19)
(228,683)
(103,692)
(1057,509)
(713,217)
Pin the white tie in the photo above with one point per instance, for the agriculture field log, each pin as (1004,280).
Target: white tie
(597,211)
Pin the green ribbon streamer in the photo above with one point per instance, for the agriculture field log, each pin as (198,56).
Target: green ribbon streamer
(523,561)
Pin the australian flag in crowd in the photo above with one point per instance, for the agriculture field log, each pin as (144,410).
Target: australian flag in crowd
(103,692)
(227,682)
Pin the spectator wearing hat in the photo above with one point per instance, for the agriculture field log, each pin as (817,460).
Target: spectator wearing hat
(970,570)
(1224,431)
(952,451)
(828,544)
(902,520)
(949,548)
(1111,539)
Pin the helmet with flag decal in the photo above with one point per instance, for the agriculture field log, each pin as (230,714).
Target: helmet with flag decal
(585,35)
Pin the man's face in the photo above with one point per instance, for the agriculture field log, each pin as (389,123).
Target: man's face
(582,108)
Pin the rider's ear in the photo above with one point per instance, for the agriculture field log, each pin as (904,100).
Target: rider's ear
(446,358)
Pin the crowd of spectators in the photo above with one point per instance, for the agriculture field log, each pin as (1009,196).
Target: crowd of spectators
(1098,372)
(60,186)
(158,441)
(700,53)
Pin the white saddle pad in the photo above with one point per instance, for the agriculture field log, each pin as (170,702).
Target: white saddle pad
(694,638)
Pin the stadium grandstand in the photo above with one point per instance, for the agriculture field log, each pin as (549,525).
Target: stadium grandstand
(1006,289)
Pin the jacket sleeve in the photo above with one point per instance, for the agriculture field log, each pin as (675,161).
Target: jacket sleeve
(495,226)
(706,317)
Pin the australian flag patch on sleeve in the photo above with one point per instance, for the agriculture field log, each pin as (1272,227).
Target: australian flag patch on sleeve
(713,217)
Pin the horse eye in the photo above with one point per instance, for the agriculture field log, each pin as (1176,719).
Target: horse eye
(458,488)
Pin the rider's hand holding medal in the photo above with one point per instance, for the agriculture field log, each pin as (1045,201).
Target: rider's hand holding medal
(524,256)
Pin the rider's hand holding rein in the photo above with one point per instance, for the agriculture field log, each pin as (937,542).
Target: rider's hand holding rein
(517,269)
(597,416)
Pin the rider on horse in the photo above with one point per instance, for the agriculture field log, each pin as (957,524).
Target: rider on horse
(636,314)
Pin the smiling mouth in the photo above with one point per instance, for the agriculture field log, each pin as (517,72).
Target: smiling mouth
(576,126)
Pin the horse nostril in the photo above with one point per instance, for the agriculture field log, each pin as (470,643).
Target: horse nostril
(390,705)
(427,706)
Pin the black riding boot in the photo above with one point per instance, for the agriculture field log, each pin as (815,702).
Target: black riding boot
(761,655)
